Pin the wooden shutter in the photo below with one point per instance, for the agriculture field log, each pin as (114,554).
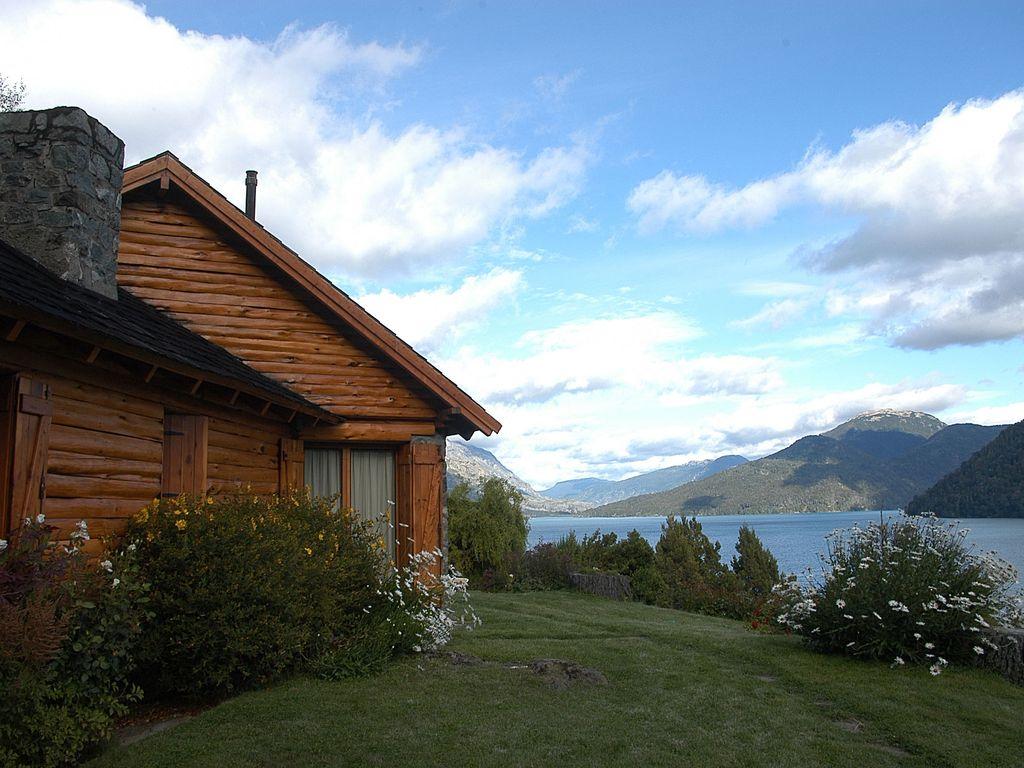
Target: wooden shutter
(419,481)
(427,494)
(184,468)
(291,465)
(28,416)
(405,543)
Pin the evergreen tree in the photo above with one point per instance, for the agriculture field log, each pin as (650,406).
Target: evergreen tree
(756,567)
(691,566)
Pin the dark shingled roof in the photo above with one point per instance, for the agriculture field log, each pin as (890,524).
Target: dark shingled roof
(27,285)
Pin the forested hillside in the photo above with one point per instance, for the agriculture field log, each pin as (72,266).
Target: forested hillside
(988,484)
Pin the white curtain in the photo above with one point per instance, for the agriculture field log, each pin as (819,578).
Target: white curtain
(373,490)
(323,472)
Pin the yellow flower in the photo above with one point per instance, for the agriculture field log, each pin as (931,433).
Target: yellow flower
(309,551)
(180,525)
(321,536)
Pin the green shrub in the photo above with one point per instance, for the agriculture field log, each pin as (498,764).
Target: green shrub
(591,552)
(248,588)
(483,531)
(68,630)
(904,591)
(632,556)
(756,567)
(545,567)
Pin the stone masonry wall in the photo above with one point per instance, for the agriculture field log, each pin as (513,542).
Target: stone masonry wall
(60,193)
(1008,658)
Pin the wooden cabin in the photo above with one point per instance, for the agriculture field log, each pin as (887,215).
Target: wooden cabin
(164,342)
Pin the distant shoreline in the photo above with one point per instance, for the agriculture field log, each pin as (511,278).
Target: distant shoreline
(746,514)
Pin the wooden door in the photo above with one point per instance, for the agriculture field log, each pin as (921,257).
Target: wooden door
(185,441)
(6,437)
(27,414)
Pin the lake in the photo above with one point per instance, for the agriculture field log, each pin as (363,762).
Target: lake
(795,540)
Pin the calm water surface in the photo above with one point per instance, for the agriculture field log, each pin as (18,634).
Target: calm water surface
(795,540)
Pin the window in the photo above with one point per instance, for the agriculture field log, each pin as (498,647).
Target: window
(323,472)
(362,478)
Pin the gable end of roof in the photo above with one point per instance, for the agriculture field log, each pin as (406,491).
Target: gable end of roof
(167,169)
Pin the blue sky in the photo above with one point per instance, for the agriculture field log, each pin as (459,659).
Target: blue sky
(639,233)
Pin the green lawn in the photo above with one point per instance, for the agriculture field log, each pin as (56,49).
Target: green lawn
(683,690)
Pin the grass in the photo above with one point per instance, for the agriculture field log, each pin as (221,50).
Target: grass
(683,690)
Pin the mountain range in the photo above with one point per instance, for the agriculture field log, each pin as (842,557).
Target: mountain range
(598,491)
(472,464)
(878,460)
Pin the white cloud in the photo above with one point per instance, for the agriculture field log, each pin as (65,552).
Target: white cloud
(640,356)
(335,183)
(554,87)
(775,314)
(774,288)
(993,414)
(429,317)
(580,223)
(939,209)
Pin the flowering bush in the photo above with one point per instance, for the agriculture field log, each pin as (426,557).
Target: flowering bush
(249,588)
(414,610)
(68,629)
(903,591)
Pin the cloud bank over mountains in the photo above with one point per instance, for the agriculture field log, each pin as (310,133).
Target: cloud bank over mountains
(937,254)
(596,319)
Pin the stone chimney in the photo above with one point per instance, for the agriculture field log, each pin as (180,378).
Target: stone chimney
(60,193)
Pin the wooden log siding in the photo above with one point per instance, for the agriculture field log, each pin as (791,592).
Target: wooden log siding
(243,457)
(175,258)
(105,458)
(106,452)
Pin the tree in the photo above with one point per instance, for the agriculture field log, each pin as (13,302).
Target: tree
(484,530)
(756,567)
(12,94)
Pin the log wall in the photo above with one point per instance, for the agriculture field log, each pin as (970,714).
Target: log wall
(106,438)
